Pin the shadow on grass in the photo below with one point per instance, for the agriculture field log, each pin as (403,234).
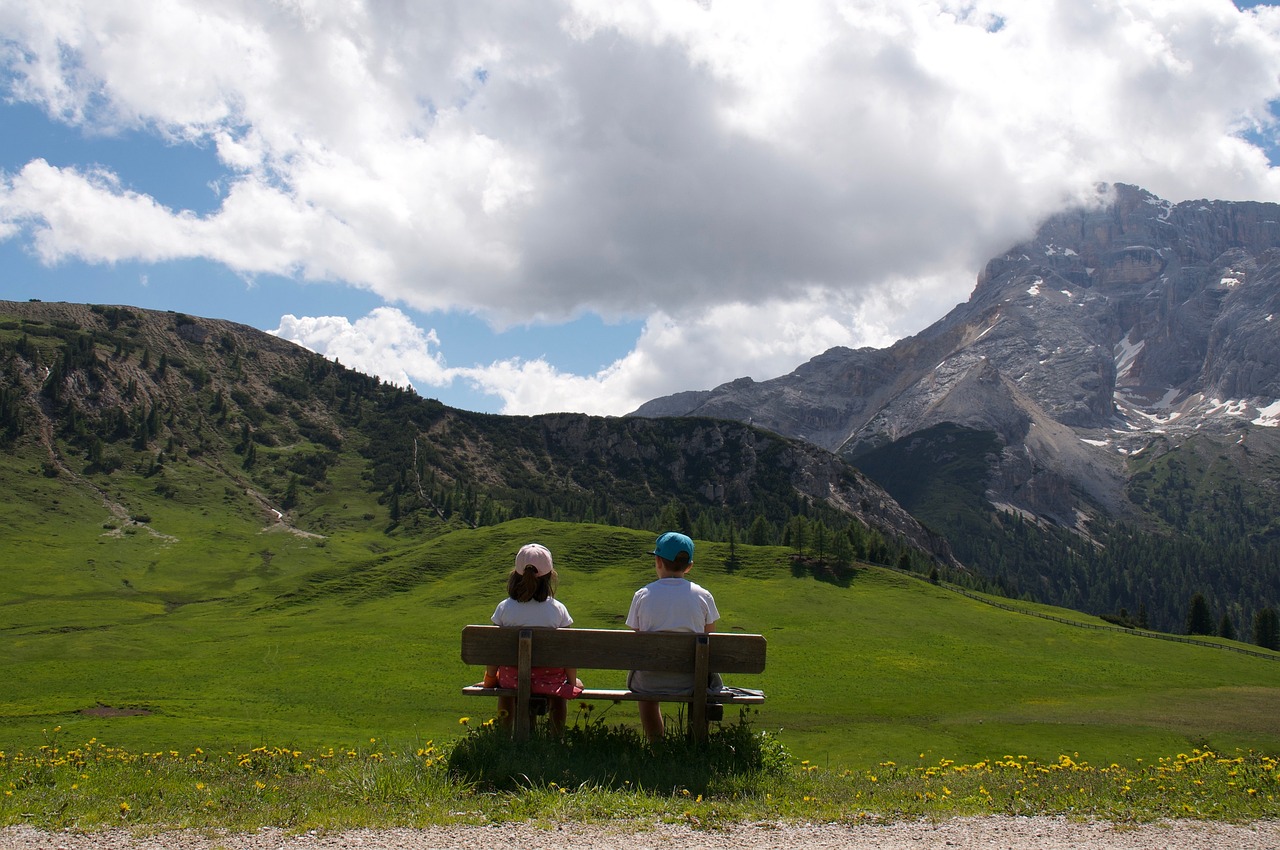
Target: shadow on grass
(592,753)
(837,574)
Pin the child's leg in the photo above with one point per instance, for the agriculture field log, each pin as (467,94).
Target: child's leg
(558,710)
(651,719)
(506,705)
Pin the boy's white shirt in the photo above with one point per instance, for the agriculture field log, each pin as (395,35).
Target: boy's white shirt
(672,605)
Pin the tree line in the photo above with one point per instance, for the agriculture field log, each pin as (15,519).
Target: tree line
(1131,576)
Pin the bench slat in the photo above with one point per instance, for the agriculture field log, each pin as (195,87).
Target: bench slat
(611,694)
(614,649)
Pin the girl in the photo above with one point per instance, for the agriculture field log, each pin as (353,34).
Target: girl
(531,589)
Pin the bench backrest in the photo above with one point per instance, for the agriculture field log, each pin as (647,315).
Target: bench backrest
(614,649)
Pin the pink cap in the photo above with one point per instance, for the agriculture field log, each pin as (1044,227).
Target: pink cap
(534,555)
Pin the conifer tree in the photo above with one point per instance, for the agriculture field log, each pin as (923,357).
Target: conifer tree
(290,494)
(841,549)
(761,532)
(1266,629)
(1199,620)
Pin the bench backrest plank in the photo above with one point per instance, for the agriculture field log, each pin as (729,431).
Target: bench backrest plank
(614,649)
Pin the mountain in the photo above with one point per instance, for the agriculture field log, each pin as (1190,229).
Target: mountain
(162,417)
(1116,376)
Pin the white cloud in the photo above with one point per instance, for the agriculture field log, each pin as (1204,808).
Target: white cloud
(385,343)
(725,342)
(774,170)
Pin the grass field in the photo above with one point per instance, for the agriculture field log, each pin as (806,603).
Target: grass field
(225,636)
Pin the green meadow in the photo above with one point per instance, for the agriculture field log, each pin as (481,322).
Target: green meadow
(207,630)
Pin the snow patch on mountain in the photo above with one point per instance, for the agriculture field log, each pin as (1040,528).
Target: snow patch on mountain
(1126,353)
(1269,416)
(1230,407)
(1159,418)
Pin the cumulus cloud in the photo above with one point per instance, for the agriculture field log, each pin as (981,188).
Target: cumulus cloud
(771,337)
(759,180)
(385,343)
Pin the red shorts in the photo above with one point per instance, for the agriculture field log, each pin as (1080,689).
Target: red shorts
(550,681)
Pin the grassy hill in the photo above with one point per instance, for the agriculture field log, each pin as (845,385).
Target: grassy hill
(140,407)
(213,538)
(238,634)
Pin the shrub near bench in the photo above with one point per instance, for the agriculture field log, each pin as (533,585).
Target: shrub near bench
(616,649)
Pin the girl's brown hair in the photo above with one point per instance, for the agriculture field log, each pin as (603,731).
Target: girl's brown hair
(528,585)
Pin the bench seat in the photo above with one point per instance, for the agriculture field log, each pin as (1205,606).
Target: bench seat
(730,697)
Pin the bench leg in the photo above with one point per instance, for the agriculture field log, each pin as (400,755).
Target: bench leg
(698,708)
(524,688)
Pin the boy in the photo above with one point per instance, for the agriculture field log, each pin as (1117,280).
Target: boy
(672,603)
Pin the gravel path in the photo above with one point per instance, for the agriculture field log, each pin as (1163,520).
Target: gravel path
(984,833)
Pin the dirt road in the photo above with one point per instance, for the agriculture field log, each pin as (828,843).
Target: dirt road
(986,833)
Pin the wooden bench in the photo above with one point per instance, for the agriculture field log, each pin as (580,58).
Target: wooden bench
(615,649)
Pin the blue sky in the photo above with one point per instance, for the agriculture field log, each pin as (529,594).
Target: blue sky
(595,203)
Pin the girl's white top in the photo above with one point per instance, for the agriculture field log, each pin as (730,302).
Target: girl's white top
(550,614)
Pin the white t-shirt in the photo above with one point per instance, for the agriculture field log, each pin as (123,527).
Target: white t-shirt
(549,614)
(672,605)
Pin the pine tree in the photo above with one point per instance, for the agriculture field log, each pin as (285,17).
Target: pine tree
(290,494)
(841,550)
(761,532)
(795,533)
(1266,629)
(1199,620)
(1226,628)
(95,453)
(675,517)
(819,534)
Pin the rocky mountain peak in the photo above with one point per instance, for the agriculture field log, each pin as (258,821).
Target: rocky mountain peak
(1117,320)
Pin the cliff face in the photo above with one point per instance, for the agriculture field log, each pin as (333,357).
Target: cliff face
(1112,325)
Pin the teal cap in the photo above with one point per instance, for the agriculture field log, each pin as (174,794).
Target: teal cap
(672,545)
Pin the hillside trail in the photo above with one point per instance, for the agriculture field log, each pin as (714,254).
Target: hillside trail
(976,833)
